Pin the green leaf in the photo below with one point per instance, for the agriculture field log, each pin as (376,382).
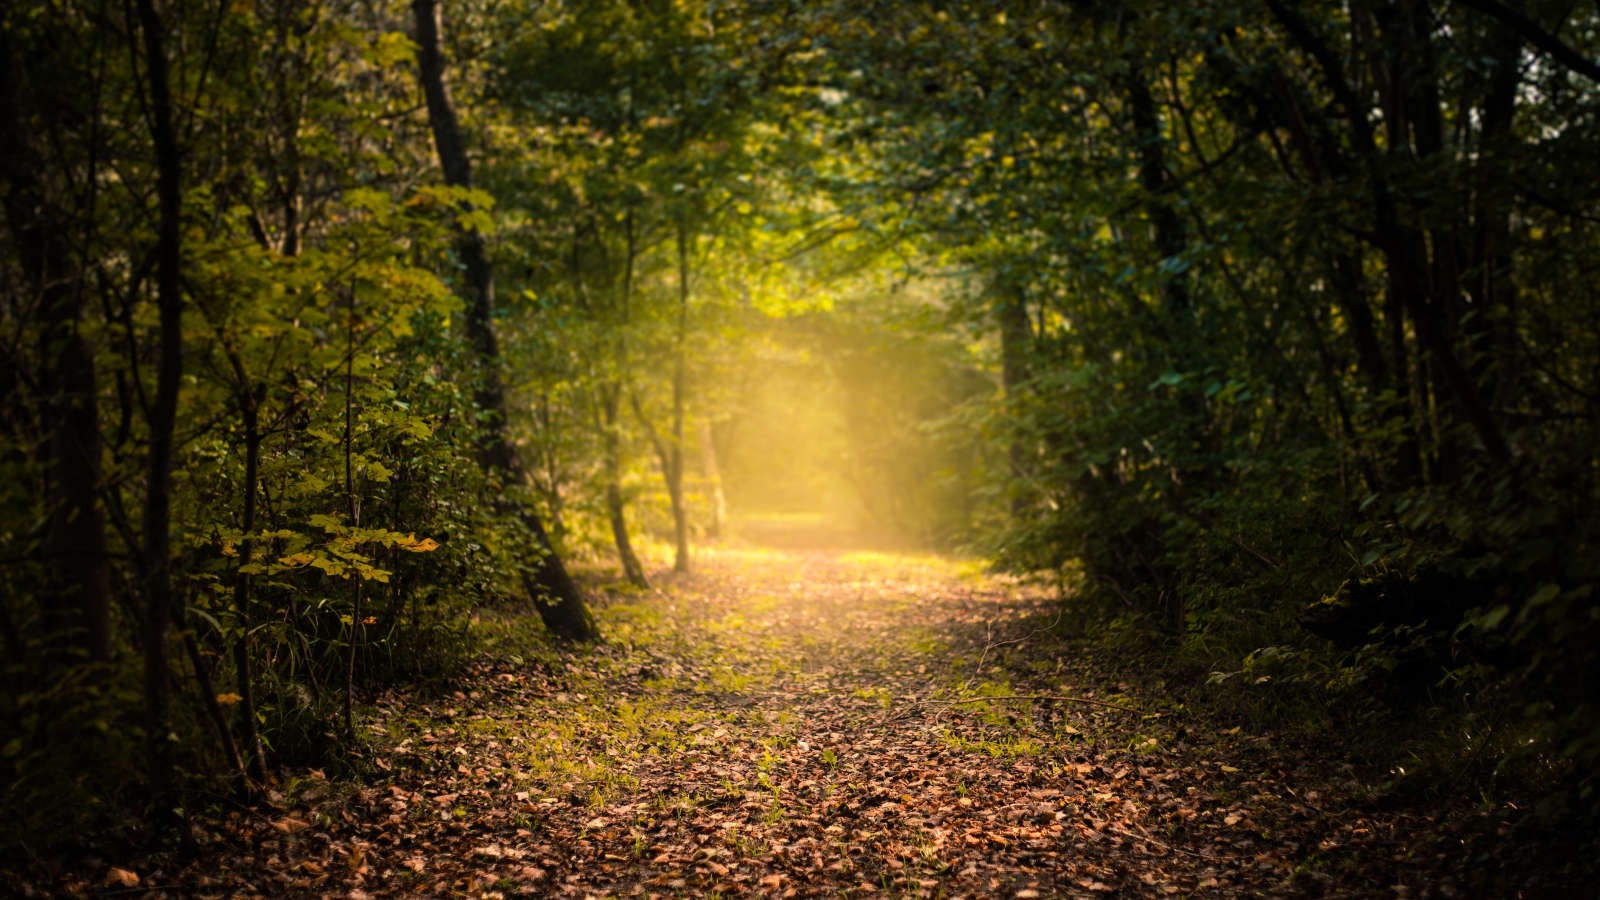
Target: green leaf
(1167,379)
(202,614)
(1544,595)
(1491,620)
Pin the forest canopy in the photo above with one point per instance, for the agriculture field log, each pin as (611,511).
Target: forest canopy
(1268,328)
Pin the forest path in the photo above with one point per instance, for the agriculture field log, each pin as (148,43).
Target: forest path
(779,723)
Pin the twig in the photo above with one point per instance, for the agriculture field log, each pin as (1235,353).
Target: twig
(1059,698)
(990,644)
(1269,561)
(1145,836)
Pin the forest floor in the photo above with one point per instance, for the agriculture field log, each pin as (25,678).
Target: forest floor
(787,721)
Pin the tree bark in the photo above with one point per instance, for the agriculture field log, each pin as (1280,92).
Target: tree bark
(1427,283)
(674,470)
(611,400)
(1489,264)
(242,599)
(160,601)
(610,404)
(556,595)
(353,507)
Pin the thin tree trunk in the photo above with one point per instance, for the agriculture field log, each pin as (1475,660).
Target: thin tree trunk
(674,472)
(610,397)
(353,506)
(159,599)
(610,394)
(1492,329)
(555,594)
(708,460)
(77,530)
(208,701)
(242,600)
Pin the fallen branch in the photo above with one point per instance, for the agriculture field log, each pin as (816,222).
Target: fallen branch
(1058,698)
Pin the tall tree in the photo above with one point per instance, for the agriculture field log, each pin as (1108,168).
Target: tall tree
(160,600)
(559,601)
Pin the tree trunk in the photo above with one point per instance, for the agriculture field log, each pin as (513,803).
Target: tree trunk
(1427,283)
(353,507)
(242,600)
(208,702)
(160,603)
(1404,247)
(674,470)
(1325,161)
(555,594)
(1171,240)
(610,403)
(610,391)
(1492,329)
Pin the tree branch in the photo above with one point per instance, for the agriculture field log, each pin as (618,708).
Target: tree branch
(1544,40)
(1055,698)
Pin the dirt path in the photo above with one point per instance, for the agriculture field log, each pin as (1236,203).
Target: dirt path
(780,724)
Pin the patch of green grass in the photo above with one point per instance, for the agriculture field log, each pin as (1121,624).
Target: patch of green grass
(883,696)
(927,642)
(757,605)
(1001,747)
(634,622)
(775,813)
(733,623)
(725,680)
(743,845)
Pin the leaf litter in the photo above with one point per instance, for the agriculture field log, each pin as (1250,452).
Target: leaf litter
(809,724)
